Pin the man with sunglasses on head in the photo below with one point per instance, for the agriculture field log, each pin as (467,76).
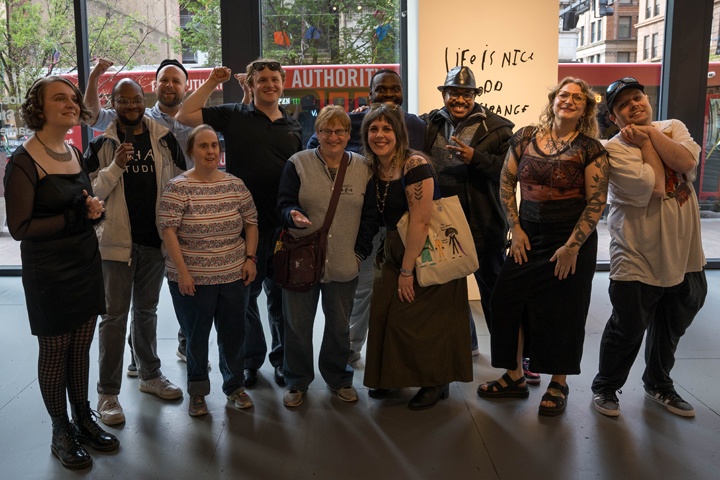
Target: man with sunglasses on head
(259,139)
(468,143)
(657,278)
(129,166)
(385,87)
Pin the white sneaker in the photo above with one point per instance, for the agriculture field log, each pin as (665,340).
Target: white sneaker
(111,413)
(346,394)
(162,387)
(241,399)
(293,398)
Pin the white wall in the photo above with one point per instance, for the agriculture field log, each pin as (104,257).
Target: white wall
(510,45)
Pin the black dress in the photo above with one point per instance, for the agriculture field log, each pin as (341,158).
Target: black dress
(61,263)
(552,312)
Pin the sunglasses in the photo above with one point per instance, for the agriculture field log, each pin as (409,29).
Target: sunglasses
(260,66)
(620,83)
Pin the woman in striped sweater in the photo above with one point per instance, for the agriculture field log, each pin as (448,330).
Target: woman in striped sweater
(210,265)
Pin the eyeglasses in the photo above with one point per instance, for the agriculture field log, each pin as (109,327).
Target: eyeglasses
(339,132)
(260,66)
(127,101)
(620,83)
(467,95)
(564,96)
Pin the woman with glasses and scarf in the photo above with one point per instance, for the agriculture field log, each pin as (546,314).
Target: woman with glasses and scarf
(418,336)
(306,187)
(541,300)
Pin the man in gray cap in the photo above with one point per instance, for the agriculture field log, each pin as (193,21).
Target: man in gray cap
(468,144)
(657,277)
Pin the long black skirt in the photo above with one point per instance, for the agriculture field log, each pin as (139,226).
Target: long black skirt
(552,312)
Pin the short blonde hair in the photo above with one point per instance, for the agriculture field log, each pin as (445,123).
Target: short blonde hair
(330,113)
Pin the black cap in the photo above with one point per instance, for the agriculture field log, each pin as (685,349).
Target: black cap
(618,86)
(173,62)
(460,77)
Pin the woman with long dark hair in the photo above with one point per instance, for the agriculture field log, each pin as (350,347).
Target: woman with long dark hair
(418,336)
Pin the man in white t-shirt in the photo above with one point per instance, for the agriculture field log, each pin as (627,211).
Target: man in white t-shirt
(657,280)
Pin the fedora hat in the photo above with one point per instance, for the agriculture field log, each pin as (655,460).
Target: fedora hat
(460,77)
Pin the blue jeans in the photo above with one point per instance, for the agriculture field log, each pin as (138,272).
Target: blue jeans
(255,346)
(137,282)
(299,309)
(225,305)
(360,315)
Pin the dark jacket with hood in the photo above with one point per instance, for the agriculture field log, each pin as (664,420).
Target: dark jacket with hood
(479,192)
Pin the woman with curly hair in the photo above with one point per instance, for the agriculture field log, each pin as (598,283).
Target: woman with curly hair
(51,211)
(542,296)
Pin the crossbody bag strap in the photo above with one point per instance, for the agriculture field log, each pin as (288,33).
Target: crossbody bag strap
(337,187)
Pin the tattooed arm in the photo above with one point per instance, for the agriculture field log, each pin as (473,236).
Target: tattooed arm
(419,198)
(596,185)
(508,194)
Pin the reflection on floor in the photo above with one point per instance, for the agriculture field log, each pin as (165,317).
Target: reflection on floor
(463,437)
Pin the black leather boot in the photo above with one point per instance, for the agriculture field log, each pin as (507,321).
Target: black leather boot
(65,445)
(88,432)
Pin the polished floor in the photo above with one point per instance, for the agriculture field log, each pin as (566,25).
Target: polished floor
(463,437)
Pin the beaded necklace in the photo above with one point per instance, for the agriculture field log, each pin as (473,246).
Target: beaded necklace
(381,202)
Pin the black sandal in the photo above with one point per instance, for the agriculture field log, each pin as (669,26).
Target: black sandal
(559,402)
(512,389)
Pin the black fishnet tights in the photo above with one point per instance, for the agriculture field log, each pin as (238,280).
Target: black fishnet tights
(64,365)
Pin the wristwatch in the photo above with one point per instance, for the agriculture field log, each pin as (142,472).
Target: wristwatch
(253,258)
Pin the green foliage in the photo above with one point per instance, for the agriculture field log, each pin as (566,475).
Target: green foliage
(346,31)
(38,38)
(202,32)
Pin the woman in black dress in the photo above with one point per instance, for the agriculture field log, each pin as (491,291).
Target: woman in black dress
(51,212)
(541,299)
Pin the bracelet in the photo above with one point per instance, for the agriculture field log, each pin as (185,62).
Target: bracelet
(253,258)
(406,273)
(568,249)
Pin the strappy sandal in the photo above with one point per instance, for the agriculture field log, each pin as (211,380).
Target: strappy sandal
(512,389)
(559,402)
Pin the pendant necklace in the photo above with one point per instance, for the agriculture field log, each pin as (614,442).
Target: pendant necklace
(381,202)
(66,156)
(555,151)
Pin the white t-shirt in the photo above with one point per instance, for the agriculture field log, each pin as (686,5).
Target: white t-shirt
(653,240)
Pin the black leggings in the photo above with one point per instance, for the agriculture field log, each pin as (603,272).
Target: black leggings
(64,364)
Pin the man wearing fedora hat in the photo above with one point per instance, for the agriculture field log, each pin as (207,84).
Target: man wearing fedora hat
(468,144)
(657,281)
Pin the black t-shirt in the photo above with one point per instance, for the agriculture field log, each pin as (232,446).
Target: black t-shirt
(141,191)
(256,151)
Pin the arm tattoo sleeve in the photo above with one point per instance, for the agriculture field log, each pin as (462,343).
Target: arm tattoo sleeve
(508,185)
(595,205)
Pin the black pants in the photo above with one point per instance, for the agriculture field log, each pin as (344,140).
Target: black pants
(665,312)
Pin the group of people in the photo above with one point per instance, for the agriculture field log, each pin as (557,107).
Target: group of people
(100,232)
